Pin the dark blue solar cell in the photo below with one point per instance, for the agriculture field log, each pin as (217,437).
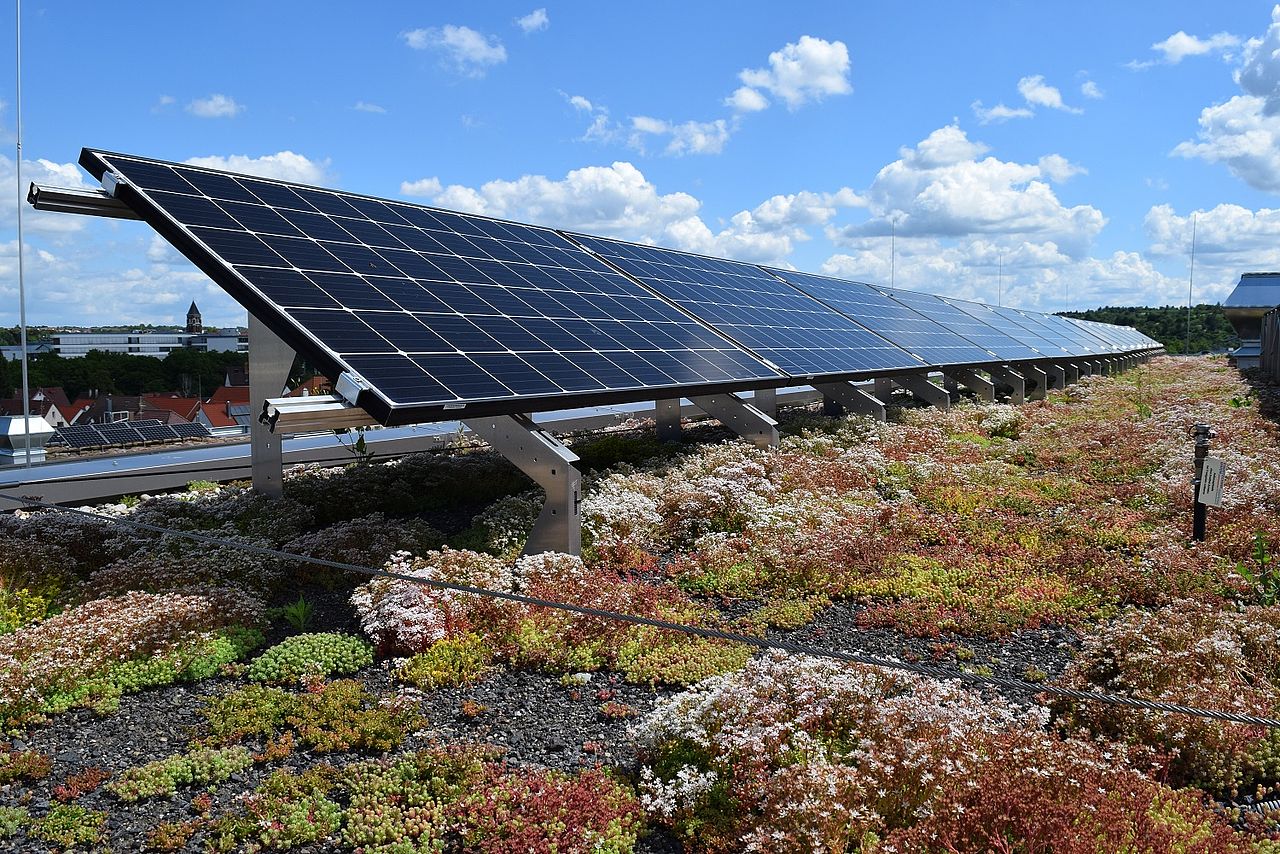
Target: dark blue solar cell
(410,263)
(315,225)
(556,336)
(361,259)
(370,234)
(194,210)
(411,295)
(564,373)
(219,187)
(262,220)
(456,244)
(462,376)
(507,301)
(352,291)
(288,287)
(510,334)
(376,210)
(459,270)
(238,247)
(306,254)
(342,331)
(460,298)
(405,332)
(326,202)
(515,373)
(399,378)
(602,369)
(462,334)
(154,176)
(276,195)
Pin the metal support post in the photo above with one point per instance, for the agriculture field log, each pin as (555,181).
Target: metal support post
(667,414)
(831,407)
(952,387)
(740,417)
(919,385)
(551,465)
(270,360)
(1057,377)
(883,389)
(984,389)
(848,396)
(1073,373)
(1037,382)
(766,400)
(1203,433)
(1011,379)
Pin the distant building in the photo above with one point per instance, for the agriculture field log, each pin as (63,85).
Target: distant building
(34,348)
(1254,296)
(72,345)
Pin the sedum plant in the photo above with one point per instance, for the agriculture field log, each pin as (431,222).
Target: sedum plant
(310,656)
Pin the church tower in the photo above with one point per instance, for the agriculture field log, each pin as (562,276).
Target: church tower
(194,324)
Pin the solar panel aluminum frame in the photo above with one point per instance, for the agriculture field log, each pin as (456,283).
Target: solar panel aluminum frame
(98,164)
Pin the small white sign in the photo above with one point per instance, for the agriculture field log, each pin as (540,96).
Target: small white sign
(1211,478)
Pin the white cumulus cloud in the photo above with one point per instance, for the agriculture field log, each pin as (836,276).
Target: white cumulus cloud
(1259,74)
(1090,90)
(682,137)
(466,51)
(424,187)
(216,106)
(534,21)
(283,166)
(806,70)
(1040,94)
(999,113)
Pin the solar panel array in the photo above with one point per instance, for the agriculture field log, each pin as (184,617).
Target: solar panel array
(928,340)
(442,315)
(125,433)
(797,333)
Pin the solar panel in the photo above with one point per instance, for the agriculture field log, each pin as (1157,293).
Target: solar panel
(190,431)
(910,330)
(789,329)
(1077,337)
(980,332)
(154,431)
(1019,331)
(81,436)
(119,433)
(437,311)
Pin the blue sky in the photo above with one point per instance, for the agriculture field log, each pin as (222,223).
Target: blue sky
(1049,154)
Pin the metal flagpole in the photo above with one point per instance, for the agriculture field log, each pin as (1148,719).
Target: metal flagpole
(22,285)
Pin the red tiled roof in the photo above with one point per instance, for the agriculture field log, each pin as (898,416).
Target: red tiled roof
(183,406)
(217,415)
(230,394)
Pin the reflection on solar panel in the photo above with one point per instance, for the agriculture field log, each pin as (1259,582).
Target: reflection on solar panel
(1021,332)
(190,431)
(980,332)
(1081,339)
(900,324)
(789,329)
(434,309)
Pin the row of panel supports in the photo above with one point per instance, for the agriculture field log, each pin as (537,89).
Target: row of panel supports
(552,465)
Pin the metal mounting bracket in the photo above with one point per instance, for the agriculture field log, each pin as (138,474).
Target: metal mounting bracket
(983,388)
(852,398)
(551,465)
(740,417)
(1037,382)
(1057,376)
(667,416)
(1013,380)
(270,360)
(766,400)
(919,385)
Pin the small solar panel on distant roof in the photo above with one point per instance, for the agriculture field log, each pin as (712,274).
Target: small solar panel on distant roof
(81,436)
(797,333)
(192,430)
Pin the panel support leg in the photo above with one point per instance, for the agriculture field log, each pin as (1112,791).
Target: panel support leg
(551,465)
(1073,372)
(270,360)
(1011,379)
(849,396)
(667,414)
(766,400)
(919,385)
(1057,376)
(740,417)
(883,389)
(983,388)
(1037,382)
(831,407)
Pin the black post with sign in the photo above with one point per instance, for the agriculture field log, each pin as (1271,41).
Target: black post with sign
(1203,434)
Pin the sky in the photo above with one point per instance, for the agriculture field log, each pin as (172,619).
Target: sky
(1048,155)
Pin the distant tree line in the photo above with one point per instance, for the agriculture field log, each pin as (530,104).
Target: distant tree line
(190,372)
(1210,329)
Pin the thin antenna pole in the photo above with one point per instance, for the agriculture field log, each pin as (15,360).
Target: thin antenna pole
(1000,280)
(22,284)
(1191,278)
(893,251)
